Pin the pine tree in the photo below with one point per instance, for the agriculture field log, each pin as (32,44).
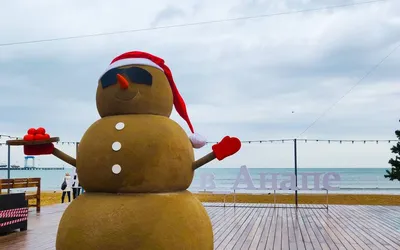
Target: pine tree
(394,174)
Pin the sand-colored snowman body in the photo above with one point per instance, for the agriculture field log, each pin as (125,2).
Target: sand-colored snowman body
(135,180)
(135,154)
(135,165)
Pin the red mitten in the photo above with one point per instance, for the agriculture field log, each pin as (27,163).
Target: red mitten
(226,147)
(44,149)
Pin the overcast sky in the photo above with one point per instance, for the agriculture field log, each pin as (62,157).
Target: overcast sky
(265,78)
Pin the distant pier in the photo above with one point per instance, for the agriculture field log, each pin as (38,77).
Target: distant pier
(34,168)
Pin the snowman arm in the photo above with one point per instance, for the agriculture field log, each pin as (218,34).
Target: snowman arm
(203,160)
(64,157)
(226,147)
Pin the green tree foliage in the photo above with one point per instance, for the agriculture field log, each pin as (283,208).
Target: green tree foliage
(394,173)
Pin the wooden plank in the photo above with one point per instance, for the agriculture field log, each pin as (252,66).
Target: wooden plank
(225,220)
(221,217)
(352,228)
(35,179)
(358,229)
(30,196)
(375,214)
(346,230)
(303,235)
(329,238)
(20,179)
(285,229)
(342,227)
(295,239)
(317,240)
(267,240)
(255,234)
(19,185)
(216,215)
(313,237)
(226,225)
(345,243)
(223,241)
(243,232)
(212,212)
(5,181)
(377,238)
(20,142)
(273,231)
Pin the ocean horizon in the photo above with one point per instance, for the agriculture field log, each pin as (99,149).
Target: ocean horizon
(352,180)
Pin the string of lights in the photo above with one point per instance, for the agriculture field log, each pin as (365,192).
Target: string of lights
(67,142)
(316,140)
(340,141)
(191,24)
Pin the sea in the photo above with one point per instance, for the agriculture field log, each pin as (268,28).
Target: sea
(352,180)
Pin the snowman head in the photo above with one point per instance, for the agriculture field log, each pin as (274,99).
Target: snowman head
(132,87)
(140,83)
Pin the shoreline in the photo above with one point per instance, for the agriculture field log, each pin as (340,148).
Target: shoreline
(54,197)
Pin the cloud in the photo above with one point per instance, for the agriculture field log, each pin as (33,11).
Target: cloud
(265,78)
(168,13)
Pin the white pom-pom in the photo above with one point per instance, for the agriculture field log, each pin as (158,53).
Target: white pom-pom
(197,140)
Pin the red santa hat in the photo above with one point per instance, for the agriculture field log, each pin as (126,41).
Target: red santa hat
(143,58)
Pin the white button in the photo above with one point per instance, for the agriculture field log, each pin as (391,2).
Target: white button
(116,146)
(116,169)
(120,125)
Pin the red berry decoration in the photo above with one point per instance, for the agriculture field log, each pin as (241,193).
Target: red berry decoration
(46,137)
(31,131)
(28,137)
(39,137)
(41,131)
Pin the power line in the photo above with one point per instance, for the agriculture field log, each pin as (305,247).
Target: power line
(351,89)
(189,24)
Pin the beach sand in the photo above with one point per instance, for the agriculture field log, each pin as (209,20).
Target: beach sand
(50,198)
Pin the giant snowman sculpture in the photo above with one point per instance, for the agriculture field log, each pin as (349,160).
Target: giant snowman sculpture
(136,164)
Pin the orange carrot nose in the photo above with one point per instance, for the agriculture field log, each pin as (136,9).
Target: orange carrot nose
(123,83)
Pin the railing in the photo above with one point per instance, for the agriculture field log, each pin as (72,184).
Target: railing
(234,192)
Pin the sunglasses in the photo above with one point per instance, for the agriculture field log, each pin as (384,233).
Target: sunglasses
(134,74)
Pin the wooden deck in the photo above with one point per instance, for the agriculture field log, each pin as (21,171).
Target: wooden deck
(259,227)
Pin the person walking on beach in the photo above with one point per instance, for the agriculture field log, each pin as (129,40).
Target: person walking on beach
(76,187)
(66,187)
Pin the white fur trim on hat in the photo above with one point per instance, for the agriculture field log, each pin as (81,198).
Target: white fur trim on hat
(132,61)
(198,141)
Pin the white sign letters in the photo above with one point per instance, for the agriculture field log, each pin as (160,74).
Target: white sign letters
(207,179)
(288,182)
(246,179)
